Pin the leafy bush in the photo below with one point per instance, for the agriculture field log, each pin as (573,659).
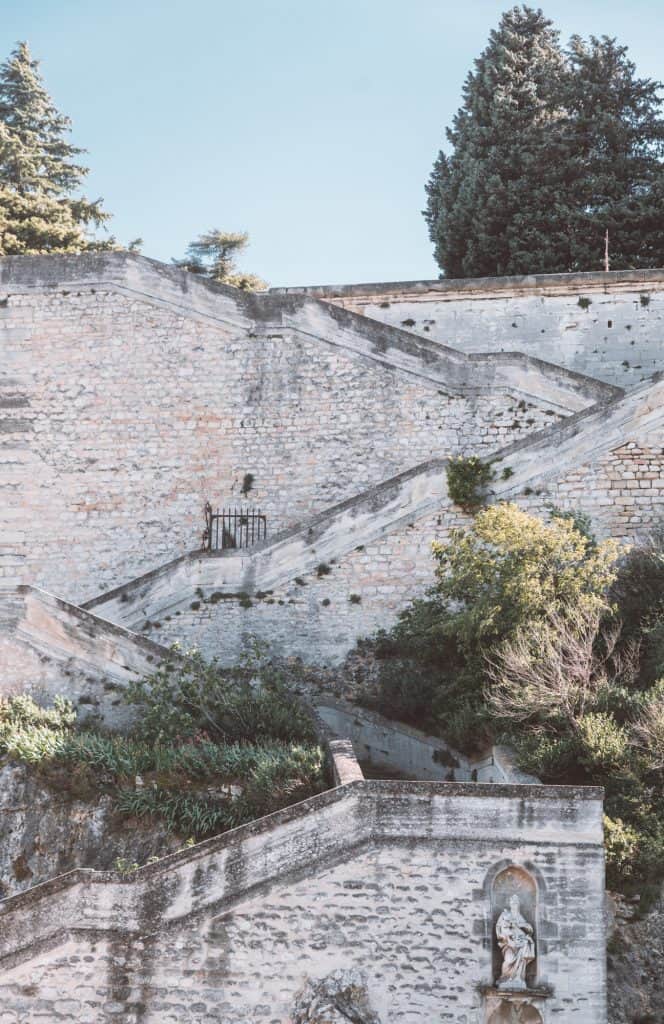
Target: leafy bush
(536,635)
(506,570)
(187,696)
(467,480)
(202,730)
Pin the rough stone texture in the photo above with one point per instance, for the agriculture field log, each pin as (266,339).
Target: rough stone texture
(616,337)
(49,647)
(635,961)
(50,829)
(392,879)
(337,999)
(132,393)
(378,548)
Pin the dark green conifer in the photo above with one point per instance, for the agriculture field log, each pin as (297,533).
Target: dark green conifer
(41,210)
(550,149)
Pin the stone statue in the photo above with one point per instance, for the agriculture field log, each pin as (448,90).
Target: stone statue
(517,944)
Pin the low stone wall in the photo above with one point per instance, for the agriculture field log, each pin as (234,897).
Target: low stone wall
(609,326)
(394,746)
(49,647)
(237,927)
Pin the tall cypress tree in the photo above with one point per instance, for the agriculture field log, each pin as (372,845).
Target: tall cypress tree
(616,140)
(549,150)
(489,202)
(40,208)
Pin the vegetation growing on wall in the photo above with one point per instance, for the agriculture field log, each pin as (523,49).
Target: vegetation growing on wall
(467,480)
(201,731)
(214,255)
(536,635)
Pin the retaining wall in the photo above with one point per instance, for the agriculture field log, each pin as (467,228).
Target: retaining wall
(609,326)
(398,880)
(132,392)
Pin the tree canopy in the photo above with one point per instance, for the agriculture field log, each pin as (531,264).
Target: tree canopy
(41,209)
(214,254)
(550,149)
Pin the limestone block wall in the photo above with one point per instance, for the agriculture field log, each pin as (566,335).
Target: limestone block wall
(50,648)
(234,929)
(315,595)
(132,393)
(610,326)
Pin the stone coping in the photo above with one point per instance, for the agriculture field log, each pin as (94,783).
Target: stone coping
(472,286)
(270,312)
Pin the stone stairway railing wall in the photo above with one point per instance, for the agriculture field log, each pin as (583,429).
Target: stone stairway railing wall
(213,928)
(49,648)
(317,589)
(133,392)
(607,325)
(374,550)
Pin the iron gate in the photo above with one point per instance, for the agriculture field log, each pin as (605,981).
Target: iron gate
(233,527)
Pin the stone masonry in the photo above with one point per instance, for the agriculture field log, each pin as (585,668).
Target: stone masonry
(395,882)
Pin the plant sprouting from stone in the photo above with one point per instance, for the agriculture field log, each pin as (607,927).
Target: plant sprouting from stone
(214,254)
(467,480)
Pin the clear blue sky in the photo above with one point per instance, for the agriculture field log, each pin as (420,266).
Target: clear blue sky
(311,125)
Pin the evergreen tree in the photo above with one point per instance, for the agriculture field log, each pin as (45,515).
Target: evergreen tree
(490,202)
(616,138)
(549,150)
(40,210)
(213,255)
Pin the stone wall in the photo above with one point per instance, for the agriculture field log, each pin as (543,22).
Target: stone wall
(398,882)
(375,565)
(51,648)
(132,392)
(50,826)
(610,326)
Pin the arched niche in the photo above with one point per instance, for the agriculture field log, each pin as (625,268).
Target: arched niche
(509,1012)
(514,880)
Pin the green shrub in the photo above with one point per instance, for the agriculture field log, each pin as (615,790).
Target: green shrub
(188,695)
(621,843)
(467,480)
(200,729)
(536,635)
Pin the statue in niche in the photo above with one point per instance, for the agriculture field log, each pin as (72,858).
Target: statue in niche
(517,945)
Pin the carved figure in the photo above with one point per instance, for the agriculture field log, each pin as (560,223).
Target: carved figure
(517,944)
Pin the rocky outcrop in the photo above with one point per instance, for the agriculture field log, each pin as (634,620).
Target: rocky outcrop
(635,962)
(49,829)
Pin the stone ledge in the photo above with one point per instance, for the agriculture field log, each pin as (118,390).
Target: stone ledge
(478,286)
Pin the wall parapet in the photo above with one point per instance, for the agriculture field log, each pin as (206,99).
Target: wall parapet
(445,367)
(485,287)
(282,846)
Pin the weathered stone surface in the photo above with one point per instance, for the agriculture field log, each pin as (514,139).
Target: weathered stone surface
(615,337)
(50,829)
(635,962)
(337,999)
(145,392)
(391,879)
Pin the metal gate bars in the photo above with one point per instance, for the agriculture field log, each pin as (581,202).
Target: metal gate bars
(233,528)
